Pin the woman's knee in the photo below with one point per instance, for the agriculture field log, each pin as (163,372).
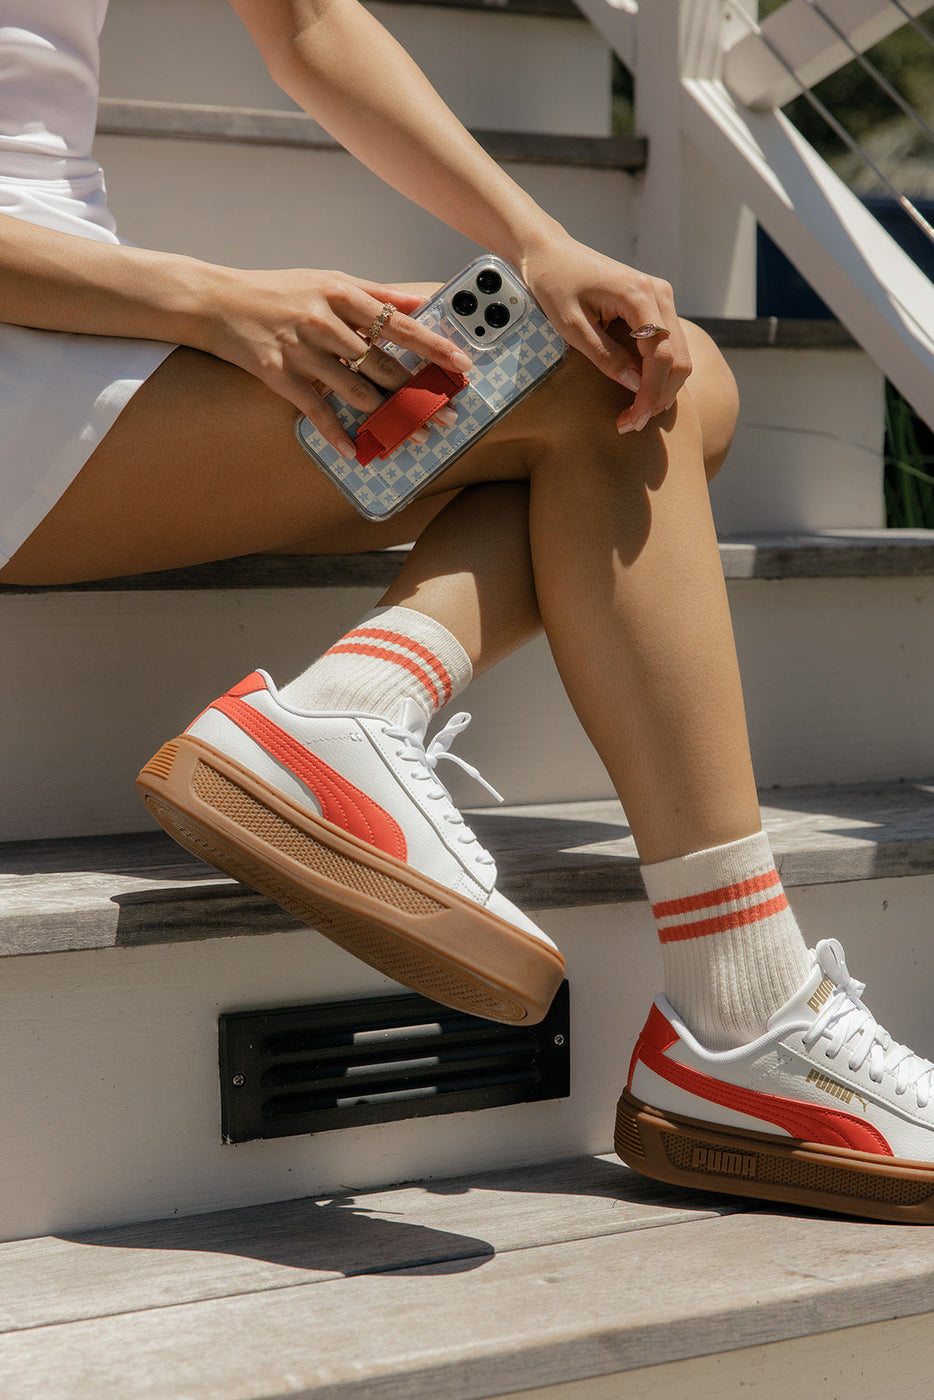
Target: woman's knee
(715,397)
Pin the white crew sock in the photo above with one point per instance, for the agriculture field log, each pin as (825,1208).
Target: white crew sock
(392,654)
(732,949)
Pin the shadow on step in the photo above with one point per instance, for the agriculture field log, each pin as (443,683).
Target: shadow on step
(559,861)
(327,1238)
(451,1225)
(858,831)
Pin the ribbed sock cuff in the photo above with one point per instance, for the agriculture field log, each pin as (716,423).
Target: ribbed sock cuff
(392,654)
(732,949)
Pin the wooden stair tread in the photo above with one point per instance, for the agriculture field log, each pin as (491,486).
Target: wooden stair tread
(810,554)
(192,121)
(457,1289)
(67,1278)
(132,890)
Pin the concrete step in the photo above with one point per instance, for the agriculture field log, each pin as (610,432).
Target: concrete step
(571,1280)
(834,633)
(121,952)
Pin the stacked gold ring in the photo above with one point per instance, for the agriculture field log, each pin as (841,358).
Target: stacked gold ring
(379,325)
(372,336)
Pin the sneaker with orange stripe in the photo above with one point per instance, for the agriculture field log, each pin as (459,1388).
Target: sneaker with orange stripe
(824,1109)
(341,819)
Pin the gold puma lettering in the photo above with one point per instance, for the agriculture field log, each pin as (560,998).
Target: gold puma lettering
(825,989)
(838,1091)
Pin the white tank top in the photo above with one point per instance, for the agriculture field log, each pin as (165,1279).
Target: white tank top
(49,71)
(59,394)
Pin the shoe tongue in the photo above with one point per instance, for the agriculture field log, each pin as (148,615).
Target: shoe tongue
(807,1001)
(411,716)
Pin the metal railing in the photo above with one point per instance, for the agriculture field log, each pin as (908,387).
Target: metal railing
(900,197)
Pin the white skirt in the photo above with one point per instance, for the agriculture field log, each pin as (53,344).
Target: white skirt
(59,394)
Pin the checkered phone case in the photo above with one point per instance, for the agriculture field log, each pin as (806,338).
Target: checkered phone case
(502,373)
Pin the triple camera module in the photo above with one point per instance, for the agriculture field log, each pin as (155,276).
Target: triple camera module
(483,307)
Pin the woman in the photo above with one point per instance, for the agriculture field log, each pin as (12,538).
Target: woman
(585,511)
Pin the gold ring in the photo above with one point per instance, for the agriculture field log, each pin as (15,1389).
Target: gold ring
(649,331)
(382,321)
(355,364)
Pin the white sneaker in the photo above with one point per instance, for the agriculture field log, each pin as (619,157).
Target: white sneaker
(825,1109)
(341,820)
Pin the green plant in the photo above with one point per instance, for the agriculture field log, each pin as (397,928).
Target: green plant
(909,466)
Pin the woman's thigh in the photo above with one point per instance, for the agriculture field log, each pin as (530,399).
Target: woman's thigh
(203,464)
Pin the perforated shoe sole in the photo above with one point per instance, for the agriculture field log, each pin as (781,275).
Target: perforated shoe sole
(686,1152)
(381,910)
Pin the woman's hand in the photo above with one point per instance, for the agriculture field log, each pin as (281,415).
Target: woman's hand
(294,330)
(583,293)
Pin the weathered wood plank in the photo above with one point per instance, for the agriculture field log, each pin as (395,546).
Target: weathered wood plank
(777,333)
(827,554)
(186,121)
(538,1316)
(375,568)
(125,891)
(459,1222)
(830,554)
(554,9)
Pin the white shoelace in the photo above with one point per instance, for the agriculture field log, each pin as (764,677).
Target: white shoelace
(845,1021)
(426,760)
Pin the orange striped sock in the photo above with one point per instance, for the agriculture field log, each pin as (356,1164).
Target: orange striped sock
(393,654)
(732,949)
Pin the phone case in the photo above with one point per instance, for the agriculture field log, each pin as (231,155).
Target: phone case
(504,371)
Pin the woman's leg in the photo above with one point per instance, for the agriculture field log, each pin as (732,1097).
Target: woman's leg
(203,464)
(628,584)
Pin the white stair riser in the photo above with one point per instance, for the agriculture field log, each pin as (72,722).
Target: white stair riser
(833,674)
(260,206)
(807,454)
(494,70)
(110,1086)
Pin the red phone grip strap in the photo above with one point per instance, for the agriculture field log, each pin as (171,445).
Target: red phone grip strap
(411,406)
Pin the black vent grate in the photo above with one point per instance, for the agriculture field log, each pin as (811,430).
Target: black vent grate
(311,1069)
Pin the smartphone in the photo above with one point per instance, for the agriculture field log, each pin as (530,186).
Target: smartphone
(487,311)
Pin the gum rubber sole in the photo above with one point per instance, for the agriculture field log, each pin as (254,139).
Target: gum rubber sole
(686,1152)
(397,920)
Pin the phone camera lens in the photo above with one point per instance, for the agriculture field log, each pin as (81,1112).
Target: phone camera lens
(464,303)
(496,315)
(489,282)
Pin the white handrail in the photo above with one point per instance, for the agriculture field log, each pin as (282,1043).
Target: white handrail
(709,150)
(870,284)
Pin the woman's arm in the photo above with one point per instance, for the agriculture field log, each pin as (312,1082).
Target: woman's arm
(60,282)
(286,328)
(345,70)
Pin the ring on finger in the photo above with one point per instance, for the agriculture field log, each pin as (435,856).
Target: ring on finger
(375,332)
(649,331)
(354,365)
